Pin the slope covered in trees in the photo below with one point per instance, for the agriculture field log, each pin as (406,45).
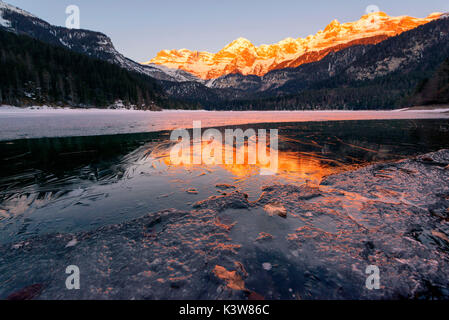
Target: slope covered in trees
(382,76)
(434,90)
(33,72)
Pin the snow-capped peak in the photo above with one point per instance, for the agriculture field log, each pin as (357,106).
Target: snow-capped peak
(241,56)
(238,45)
(333,25)
(6,6)
(87,42)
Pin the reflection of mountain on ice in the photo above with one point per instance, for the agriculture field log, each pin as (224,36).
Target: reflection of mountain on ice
(230,248)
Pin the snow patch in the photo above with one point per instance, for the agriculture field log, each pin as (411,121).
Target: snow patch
(3,22)
(72,243)
(267,266)
(9,7)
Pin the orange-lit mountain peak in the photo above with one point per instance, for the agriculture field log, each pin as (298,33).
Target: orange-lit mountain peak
(332,26)
(375,14)
(238,45)
(434,15)
(241,56)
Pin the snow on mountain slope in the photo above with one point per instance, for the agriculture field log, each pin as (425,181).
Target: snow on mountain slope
(5,6)
(241,56)
(3,22)
(87,42)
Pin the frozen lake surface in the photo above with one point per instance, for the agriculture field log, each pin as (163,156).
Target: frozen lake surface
(141,227)
(18,123)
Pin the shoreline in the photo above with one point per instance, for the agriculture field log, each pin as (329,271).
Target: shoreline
(432,108)
(12,109)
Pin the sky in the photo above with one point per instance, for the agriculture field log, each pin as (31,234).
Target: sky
(141,28)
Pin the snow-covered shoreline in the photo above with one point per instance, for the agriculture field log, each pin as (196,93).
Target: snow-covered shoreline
(11,109)
(46,122)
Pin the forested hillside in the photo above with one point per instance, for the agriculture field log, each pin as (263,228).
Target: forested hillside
(381,76)
(434,90)
(34,73)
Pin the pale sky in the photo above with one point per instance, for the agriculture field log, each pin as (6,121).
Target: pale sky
(141,28)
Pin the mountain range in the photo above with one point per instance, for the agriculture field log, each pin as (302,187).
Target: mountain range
(94,44)
(377,62)
(45,64)
(242,57)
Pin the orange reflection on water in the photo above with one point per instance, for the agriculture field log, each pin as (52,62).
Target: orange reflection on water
(291,165)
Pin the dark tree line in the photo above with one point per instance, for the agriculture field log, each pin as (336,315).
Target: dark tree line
(415,81)
(433,90)
(33,72)
(392,91)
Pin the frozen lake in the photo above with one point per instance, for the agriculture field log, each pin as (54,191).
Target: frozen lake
(18,123)
(141,227)
(97,188)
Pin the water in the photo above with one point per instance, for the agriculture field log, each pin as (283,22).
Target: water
(73,185)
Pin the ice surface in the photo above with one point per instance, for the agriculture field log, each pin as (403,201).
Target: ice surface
(392,215)
(18,123)
(115,207)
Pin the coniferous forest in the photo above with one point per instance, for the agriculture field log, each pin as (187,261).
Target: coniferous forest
(35,73)
(434,90)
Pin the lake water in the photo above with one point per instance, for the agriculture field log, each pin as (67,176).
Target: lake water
(84,175)
(73,183)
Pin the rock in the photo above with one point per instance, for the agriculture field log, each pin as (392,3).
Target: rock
(233,200)
(276,208)
(224,186)
(440,235)
(233,280)
(440,158)
(71,243)
(192,191)
(264,236)
(267,266)
(307,192)
(240,266)
(223,225)
(303,192)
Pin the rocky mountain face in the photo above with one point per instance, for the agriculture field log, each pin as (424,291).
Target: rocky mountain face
(410,55)
(359,76)
(376,62)
(242,57)
(33,72)
(94,44)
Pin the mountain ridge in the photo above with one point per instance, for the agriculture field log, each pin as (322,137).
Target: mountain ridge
(379,76)
(379,71)
(91,43)
(241,56)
